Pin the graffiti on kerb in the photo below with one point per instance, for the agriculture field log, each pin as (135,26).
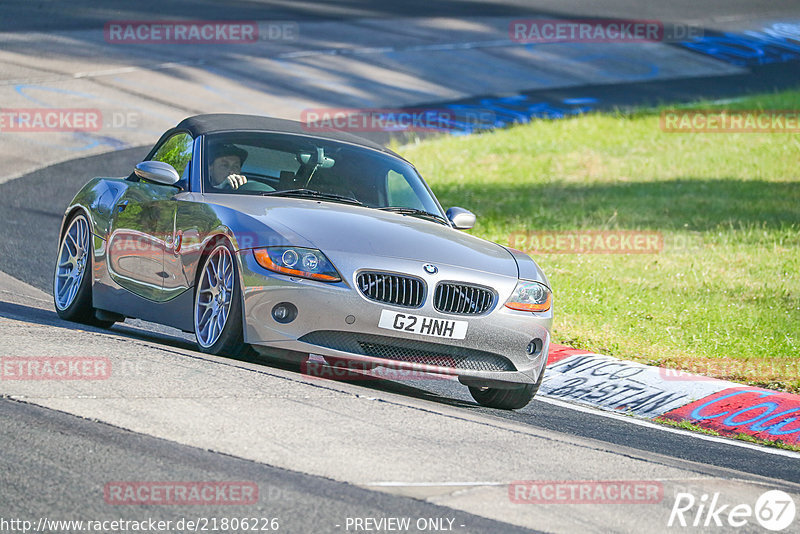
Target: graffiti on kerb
(614,384)
(761,413)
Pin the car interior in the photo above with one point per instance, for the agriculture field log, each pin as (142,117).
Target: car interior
(285,162)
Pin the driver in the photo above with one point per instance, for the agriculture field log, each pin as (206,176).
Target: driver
(226,167)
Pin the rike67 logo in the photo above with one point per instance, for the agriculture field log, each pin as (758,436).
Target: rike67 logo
(774,510)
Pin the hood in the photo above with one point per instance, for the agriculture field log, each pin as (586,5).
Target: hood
(337,228)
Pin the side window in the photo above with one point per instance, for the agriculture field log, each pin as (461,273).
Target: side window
(177,151)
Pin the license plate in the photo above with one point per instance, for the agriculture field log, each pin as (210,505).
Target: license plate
(425,326)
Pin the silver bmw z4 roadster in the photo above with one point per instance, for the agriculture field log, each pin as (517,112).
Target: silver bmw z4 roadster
(261,236)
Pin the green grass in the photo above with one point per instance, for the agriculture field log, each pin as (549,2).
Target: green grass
(726,305)
(686,425)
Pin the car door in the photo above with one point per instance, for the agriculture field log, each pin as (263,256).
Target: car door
(192,222)
(142,226)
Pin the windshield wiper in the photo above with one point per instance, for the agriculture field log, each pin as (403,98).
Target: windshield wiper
(416,213)
(310,193)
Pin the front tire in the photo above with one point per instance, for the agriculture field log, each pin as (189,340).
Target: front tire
(72,281)
(218,306)
(507,399)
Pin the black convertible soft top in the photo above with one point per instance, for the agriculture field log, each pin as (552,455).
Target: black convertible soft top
(222,122)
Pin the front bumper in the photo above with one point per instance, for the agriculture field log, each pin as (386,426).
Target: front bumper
(336,320)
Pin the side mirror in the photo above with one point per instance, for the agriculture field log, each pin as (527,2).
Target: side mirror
(158,172)
(462,219)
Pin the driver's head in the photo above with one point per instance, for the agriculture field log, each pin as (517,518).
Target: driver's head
(225,160)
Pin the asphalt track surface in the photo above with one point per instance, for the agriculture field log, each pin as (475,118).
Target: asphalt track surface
(56,464)
(543,415)
(22,15)
(45,467)
(68,474)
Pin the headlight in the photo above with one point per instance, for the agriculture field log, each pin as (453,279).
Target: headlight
(530,296)
(297,261)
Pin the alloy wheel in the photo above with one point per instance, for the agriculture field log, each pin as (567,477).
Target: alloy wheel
(214,295)
(73,257)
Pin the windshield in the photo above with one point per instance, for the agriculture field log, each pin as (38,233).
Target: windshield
(269,163)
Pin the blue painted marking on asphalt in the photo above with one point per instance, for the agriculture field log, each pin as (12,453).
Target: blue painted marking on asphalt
(578,101)
(491,113)
(90,140)
(94,140)
(22,89)
(779,43)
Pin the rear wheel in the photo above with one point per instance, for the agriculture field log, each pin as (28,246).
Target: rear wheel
(218,306)
(72,282)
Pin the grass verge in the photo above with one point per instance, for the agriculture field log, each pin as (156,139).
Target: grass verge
(686,425)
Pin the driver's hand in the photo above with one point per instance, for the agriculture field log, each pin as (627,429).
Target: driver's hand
(236,180)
